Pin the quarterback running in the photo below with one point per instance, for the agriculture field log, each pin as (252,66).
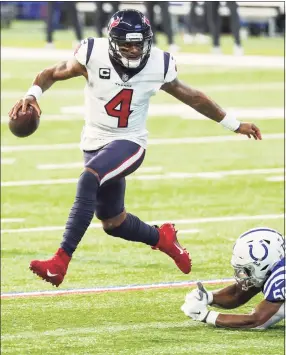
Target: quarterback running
(122,72)
(258,260)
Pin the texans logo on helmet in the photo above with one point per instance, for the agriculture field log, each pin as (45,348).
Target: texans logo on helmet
(146,20)
(114,23)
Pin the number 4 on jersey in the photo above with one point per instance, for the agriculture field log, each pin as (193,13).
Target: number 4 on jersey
(123,100)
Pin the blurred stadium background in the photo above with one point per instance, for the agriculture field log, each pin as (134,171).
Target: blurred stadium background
(212,183)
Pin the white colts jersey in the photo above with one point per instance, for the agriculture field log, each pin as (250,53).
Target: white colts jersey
(116,106)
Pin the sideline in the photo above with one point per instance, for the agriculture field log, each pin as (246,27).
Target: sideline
(153,177)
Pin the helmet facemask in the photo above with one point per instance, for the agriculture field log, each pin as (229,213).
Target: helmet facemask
(245,276)
(135,38)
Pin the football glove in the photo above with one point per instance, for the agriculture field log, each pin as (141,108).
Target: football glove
(196,302)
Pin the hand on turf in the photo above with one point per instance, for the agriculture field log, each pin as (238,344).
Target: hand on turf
(250,130)
(199,293)
(195,308)
(196,302)
(27,100)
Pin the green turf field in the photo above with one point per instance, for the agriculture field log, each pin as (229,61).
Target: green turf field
(145,322)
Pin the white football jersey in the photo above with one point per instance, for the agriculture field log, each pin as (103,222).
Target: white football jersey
(117,109)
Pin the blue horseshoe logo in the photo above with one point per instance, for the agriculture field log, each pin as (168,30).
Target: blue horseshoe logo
(251,253)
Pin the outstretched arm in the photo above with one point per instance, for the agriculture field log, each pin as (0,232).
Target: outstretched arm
(44,80)
(265,313)
(232,296)
(206,106)
(194,98)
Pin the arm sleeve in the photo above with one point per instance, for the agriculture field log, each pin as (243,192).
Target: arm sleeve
(170,68)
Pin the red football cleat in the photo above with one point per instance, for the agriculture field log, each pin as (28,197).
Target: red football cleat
(52,270)
(168,243)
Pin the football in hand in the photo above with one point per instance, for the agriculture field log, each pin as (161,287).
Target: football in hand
(26,123)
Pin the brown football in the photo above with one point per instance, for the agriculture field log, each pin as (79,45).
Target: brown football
(26,123)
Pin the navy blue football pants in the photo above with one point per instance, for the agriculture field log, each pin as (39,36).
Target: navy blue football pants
(112,163)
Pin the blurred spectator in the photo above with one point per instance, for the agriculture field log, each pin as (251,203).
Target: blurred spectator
(8,13)
(69,7)
(214,22)
(166,22)
(196,23)
(101,17)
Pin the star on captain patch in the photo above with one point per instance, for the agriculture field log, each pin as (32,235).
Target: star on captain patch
(125,77)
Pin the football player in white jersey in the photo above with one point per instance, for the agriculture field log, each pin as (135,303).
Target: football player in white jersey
(122,72)
(258,260)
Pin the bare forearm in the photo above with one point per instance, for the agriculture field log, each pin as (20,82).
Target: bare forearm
(204,105)
(232,296)
(197,100)
(61,71)
(44,79)
(237,321)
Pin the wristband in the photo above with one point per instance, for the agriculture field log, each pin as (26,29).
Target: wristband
(230,122)
(210,297)
(35,91)
(211,317)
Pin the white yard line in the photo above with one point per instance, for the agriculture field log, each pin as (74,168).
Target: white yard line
(80,164)
(189,231)
(276,178)
(207,175)
(246,61)
(159,141)
(244,87)
(55,117)
(39,182)
(12,220)
(76,113)
(216,88)
(186,112)
(271,62)
(97,332)
(157,222)
(40,147)
(50,93)
(7,161)
(167,176)
(266,113)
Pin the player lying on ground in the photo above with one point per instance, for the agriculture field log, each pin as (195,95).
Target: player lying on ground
(258,260)
(122,72)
